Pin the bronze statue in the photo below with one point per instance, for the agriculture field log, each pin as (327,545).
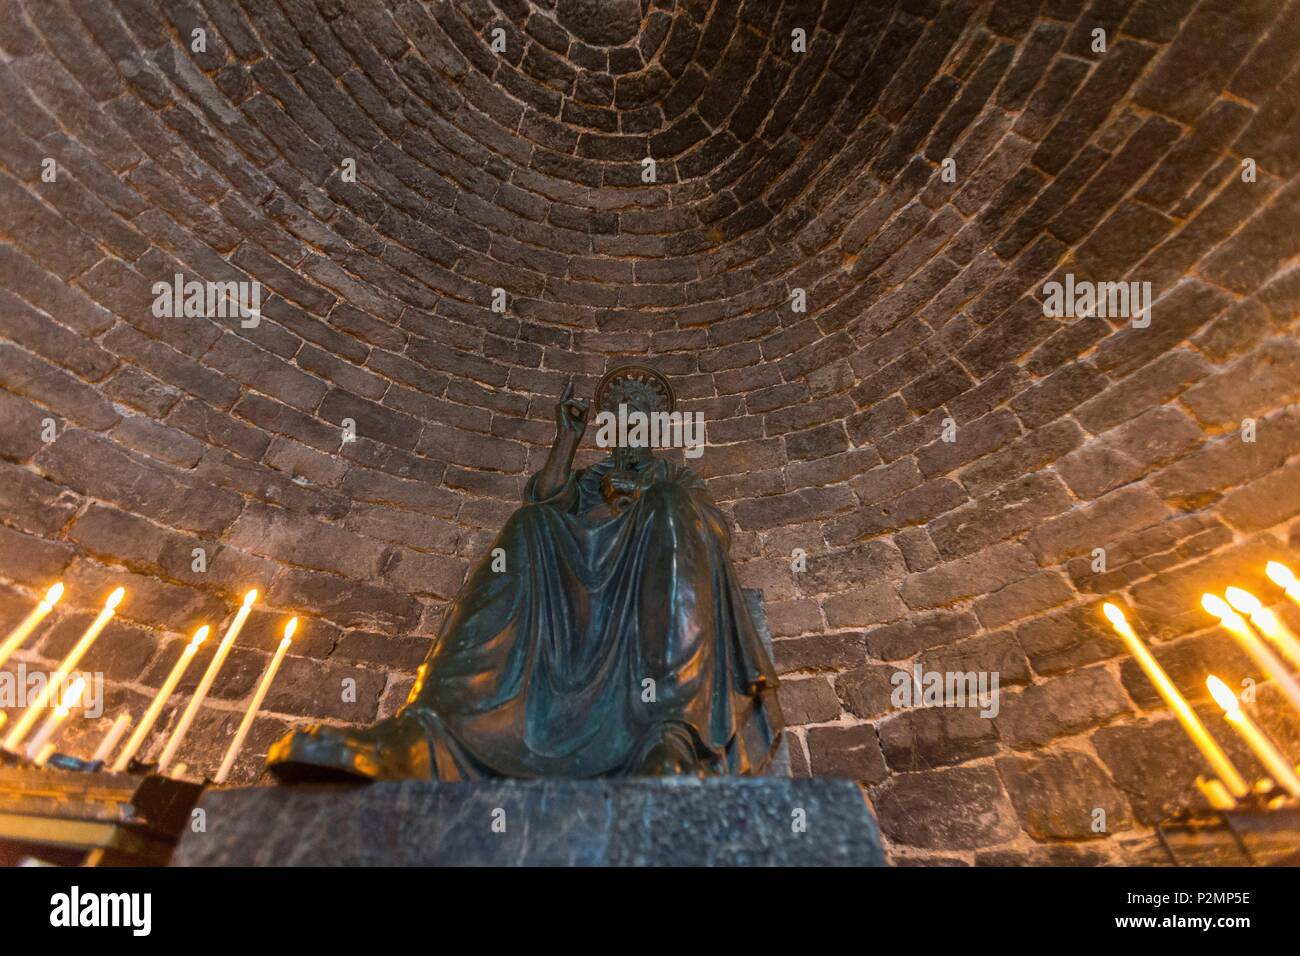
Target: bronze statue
(613,641)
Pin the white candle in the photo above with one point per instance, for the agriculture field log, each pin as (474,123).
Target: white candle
(120,723)
(205,684)
(33,712)
(1277,765)
(15,638)
(160,700)
(44,756)
(1206,744)
(1215,793)
(1267,623)
(246,724)
(67,700)
(1258,651)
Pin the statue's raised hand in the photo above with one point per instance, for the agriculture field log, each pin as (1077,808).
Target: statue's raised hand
(571,413)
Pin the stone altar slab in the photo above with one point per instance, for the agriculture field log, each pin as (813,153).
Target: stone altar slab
(721,821)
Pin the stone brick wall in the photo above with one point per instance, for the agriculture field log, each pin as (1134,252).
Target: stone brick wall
(840,259)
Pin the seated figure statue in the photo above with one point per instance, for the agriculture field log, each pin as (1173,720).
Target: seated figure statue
(606,637)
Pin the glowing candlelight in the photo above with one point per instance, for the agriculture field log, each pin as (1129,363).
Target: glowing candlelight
(33,712)
(205,684)
(1258,651)
(67,700)
(1277,765)
(120,723)
(160,700)
(1281,575)
(1267,623)
(256,704)
(1192,725)
(24,630)
(1215,793)
(44,756)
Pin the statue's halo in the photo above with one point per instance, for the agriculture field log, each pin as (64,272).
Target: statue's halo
(641,374)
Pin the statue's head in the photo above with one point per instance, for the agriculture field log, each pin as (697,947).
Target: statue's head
(638,389)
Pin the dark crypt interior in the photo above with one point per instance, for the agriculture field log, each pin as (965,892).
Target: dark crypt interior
(832,226)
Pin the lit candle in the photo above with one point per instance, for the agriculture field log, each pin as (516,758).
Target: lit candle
(1259,652)
(44,756)
(205,684)
(30,622)
(1267,623)
(1281,575)
(160,700)
(1276,764)
(1215,793)
(120,723)
(246,724)
(33,712)
(67,700)
(1210,750)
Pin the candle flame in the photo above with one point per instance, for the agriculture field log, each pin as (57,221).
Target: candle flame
(71,697)
(200,636)
(115,599)
(290,628)
(1114,614)
(1222,694)
(250,597)
(52,595)
(1279,574)
(1216,606)
(1242,600)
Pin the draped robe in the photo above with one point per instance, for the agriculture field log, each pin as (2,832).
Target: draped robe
(602,630)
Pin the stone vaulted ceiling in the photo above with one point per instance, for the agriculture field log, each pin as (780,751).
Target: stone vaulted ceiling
(841,253)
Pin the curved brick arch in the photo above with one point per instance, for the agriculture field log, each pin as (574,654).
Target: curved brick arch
(913,176)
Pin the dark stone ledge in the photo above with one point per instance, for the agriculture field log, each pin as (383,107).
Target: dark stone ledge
(638,822)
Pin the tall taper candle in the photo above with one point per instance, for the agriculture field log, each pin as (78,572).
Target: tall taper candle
(1254,646)
(1210,750)
(160,700)
(23,631)
(105,748)
(1267,623)
(1278,767)
(33,712)
(68,699)
(205,684)
(256,704)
